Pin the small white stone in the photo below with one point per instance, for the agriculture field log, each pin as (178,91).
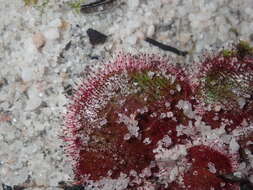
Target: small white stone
(103,122)
(222,184)
(166,141)
(27,74)
(174,173)
(233,146)
(38,126)
(132,40)
(140,35)
(55,23)
(211,167)
(34,99)
(241,101)
(217,108)
(172,92)
(238,174)
(163,115)
(29,49)
(52,34)
(127,137)
(133,4)
(147,141)
(151,74)
(186,106)
(151,31)
(178,87)
(170,114)
(167,104)
(39,40)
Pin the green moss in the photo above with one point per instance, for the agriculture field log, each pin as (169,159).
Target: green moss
(244,48)
(234,30)
(153,86)
(76,5)
(218,87)
(30,2)
(41,7)
(228,53)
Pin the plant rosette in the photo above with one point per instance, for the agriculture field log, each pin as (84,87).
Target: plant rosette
(224,87)
(136,124)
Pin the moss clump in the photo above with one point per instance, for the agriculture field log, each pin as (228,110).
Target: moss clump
(228,53)
(30,2)
(219,87)
(241,50)
(39,5)
(76,5)
(234,30)
(151,85)
(244,49)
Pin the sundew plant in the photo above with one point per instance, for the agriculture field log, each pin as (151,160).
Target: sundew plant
(144,123)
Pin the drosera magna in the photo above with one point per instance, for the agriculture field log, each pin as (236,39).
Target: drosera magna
(225,87)
(113,114)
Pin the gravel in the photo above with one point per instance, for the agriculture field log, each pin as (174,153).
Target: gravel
(45,51)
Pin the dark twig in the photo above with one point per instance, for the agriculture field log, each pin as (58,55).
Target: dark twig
(92,7)
(67,186)
(15,187)
(63,187)
(166,47)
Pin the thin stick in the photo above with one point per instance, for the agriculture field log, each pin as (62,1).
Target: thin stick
(166,47)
